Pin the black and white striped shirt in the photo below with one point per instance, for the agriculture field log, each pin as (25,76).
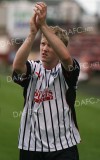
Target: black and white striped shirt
(48,121)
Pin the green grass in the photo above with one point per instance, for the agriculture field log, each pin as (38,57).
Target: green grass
(11,102)
(88,115)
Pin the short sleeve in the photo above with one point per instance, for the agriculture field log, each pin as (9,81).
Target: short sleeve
(22,79)
(71,76)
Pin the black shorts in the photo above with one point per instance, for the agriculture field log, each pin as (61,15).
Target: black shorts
(66,154)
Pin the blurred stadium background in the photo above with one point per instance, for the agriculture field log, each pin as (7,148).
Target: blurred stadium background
(83,28)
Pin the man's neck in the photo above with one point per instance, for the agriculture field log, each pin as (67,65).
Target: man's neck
(49,66)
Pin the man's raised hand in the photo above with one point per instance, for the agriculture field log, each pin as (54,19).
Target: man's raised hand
(41,12)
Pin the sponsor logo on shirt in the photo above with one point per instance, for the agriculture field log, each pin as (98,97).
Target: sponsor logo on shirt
(45,95)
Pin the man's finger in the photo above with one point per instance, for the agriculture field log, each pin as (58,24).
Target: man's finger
(42,4)
(37,11)
(39,7)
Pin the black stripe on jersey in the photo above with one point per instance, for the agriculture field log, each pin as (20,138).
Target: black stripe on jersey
(35,134)
(63,109)
(49,79)
(40,132)
(69,128)
(46,127)
(52,126)
(45,79)
(30,129)
(52,118)
(57,114)
(74,136)
(29,138)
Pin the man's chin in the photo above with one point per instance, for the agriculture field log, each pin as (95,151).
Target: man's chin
(44,60)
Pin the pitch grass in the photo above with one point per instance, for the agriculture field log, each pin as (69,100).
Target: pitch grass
(11,103)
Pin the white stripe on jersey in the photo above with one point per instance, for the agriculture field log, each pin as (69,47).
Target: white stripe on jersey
(46,123)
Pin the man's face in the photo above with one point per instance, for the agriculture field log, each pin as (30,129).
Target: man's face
(47,53)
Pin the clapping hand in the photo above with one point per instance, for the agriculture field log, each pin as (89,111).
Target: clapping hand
(40,10)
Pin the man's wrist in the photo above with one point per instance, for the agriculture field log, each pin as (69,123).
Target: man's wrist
(32,33)
(30,37)
(43,26)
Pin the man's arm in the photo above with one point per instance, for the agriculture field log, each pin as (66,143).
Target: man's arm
(58,46)
(19,64)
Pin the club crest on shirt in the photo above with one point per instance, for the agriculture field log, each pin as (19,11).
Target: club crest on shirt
(54,74)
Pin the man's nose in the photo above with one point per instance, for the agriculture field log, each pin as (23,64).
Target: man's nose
(45,48)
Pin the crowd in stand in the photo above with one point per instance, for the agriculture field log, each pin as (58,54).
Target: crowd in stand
(86,48)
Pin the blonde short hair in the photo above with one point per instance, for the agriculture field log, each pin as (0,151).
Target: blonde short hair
(61,33)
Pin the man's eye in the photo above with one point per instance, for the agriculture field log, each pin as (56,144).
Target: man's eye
(42,43)
(49,45)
